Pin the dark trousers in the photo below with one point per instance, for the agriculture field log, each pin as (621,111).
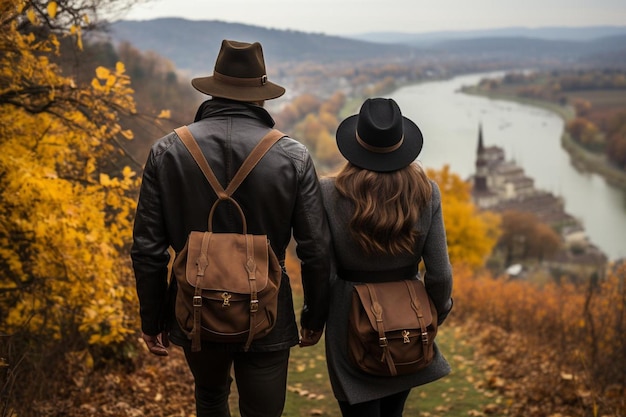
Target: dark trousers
(391,406)
(261,379)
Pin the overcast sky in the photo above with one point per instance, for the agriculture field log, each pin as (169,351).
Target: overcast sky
(341,17)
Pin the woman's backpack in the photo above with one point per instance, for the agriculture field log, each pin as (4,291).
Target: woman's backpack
(391,327)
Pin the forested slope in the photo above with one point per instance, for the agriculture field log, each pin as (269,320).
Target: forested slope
(76,120)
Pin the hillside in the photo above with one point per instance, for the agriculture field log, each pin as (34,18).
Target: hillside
(192,45)
(71,343)
(576,34)
(565,50)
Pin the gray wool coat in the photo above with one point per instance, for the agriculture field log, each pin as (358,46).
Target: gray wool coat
(348,383)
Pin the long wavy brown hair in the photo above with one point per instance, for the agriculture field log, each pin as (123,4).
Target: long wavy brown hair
(386,206)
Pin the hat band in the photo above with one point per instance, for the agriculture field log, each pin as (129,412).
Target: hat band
(379,149)
(240,82)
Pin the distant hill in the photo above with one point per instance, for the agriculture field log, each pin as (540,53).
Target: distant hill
(193,45)
(602,52)
(576,34)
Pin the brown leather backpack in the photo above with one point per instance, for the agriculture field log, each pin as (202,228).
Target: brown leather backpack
(391,327)
(227,282)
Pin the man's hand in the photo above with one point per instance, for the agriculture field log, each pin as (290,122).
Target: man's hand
(310,337)
(158,344)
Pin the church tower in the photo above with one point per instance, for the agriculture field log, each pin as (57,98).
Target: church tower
(480,178)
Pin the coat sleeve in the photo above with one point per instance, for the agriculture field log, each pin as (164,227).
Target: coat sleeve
(149,252)
(438,277)
(312,236)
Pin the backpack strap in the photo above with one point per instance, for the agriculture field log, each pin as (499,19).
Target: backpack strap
(383,343)
(248,165)
(419,313)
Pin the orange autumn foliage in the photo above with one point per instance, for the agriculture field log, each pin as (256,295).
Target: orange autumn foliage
(574,332)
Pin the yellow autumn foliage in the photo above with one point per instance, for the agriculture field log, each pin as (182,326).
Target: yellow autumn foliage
(471,234)
(65,214)
(52,9)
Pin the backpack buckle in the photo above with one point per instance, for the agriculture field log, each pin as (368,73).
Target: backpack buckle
(382,342)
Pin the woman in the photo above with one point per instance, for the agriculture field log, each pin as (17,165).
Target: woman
(384,215)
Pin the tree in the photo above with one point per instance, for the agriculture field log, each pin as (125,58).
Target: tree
(583,107)
(327,153)
(525,237)
(164,101)
(334,104)
(66,198)
(471,234)
(616,139)
(585,132)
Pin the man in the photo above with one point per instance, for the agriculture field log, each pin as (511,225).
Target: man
(280,198)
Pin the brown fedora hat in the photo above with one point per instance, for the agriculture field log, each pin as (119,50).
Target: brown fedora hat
(379,138)
(239,74)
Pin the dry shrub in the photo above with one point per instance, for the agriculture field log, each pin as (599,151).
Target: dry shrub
(554,348)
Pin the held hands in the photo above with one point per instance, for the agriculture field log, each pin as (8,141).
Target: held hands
(158,344)
(310,337)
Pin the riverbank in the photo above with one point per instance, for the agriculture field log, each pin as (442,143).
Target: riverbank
(582,159)
(531,136)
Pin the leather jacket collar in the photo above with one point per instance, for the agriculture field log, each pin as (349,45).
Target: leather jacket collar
(225,107)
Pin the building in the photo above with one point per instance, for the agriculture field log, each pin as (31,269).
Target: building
(496,179)
(500,185)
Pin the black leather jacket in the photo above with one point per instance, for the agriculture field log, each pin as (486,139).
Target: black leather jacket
(281,197)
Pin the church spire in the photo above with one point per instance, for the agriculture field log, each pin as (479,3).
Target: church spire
(480,178)
(481,146)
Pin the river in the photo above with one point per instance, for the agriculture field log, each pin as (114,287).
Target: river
(530,136)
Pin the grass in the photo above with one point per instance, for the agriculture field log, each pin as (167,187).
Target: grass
(459,394)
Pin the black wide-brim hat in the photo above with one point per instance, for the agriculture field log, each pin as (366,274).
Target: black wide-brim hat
(239,74)
(379,138)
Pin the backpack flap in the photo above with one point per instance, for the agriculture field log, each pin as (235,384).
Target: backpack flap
(225,256)
(395,301)
(392,327)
